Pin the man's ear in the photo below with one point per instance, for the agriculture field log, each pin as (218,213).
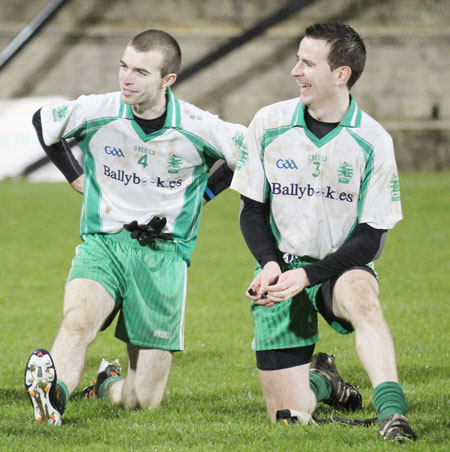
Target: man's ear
(168,80)
(343,75)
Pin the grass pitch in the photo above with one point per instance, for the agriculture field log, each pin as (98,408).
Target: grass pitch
(213,400)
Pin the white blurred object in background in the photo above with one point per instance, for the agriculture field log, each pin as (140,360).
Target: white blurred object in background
(19,145)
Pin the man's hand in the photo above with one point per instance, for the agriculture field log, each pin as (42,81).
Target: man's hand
(78,184)
(289,284)
(259,286)
(144,233)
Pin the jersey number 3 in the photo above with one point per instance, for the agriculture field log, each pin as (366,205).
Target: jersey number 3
(317,171)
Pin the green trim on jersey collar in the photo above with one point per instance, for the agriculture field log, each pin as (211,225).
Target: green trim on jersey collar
(173,117)
(353,116)
(125,111)
(143,136)
(351,119)
(298,119)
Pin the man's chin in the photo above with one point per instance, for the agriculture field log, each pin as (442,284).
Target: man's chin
(127,100)
(305,100)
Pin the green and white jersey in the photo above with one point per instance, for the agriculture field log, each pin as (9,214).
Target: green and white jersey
(319,189)
(129,175)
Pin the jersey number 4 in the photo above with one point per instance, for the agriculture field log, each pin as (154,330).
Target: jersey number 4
(143,161)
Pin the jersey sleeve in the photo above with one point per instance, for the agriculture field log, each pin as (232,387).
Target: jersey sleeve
(249,177)
(228,139)
(62,120)
(382,207)
(59,153)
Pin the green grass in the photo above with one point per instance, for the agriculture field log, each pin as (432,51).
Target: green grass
(213,401)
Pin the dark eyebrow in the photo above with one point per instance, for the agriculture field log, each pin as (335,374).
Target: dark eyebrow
(139,69)
(308,61)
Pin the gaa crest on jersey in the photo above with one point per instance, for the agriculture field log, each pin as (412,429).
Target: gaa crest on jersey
(59,113)
(395,188)
(115,152)
(174,164)
(345,173)
(286,164)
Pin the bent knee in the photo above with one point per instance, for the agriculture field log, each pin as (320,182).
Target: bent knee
(77,322)
(356,296)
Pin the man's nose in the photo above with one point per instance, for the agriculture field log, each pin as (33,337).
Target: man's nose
(296,70)
(127,77)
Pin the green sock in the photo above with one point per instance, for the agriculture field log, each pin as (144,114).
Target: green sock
(103,390)
(388,399)
(320,386)
(63,394)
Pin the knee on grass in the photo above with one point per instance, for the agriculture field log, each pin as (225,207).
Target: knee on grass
(141,399)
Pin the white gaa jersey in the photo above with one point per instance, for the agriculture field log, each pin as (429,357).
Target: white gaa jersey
(319,190)
(129,175)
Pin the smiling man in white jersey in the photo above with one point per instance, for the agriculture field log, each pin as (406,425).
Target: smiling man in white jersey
(147,156)
(320,189)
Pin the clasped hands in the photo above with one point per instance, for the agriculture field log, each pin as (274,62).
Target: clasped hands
(271,285)
(145,233)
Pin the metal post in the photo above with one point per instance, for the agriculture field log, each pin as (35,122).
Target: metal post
(29,31)
(234,43)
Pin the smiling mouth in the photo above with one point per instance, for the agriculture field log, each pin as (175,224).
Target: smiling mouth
(128,91)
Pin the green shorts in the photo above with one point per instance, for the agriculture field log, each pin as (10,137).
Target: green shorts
(148,284)
(293,323)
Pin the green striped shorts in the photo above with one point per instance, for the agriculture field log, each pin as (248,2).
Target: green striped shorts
(293,323)
(148,284)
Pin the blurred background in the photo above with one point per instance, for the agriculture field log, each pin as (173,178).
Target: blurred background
(237,56)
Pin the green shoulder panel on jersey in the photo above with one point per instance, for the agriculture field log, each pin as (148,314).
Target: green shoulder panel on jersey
(89,128)
(270,136)
(189,217)
(188,220)
(267,139)
(368,153)
(90,215)
(202,146)
(352,119)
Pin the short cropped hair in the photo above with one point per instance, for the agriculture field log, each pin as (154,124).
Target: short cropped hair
(159,40)
(346,47)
